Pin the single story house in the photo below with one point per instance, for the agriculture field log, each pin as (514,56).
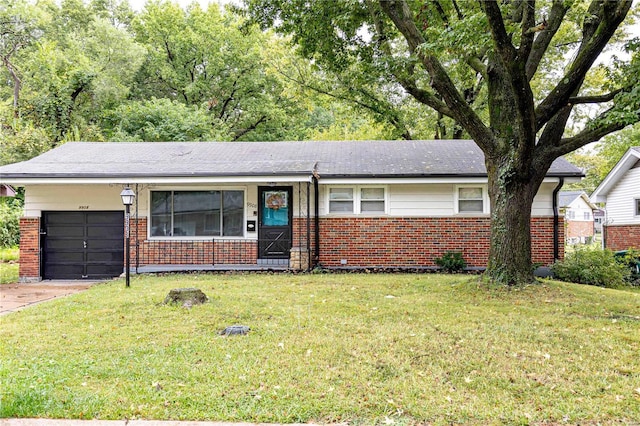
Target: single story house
(578,216)
(620,192)
(264,205)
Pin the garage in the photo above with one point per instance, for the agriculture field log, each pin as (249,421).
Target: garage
(82,245)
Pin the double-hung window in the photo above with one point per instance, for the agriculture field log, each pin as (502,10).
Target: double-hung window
(358,200)
(197,213)
(470,199)
(637,202)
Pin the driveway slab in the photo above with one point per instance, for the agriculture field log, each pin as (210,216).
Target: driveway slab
(14,297)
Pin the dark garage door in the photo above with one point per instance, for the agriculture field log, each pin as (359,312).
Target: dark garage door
(82,245)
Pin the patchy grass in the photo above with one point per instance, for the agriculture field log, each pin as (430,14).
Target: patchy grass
(9,257)
(363,349)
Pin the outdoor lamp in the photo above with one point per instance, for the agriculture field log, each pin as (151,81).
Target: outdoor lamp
(127,199)
(127,196)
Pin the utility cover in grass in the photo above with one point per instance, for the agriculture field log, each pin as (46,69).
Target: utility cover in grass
(186,297)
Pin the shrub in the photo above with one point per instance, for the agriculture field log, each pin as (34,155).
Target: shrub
(9,224)
(592,266)
(451,262)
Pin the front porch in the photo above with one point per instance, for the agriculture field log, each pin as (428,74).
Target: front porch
(216,254)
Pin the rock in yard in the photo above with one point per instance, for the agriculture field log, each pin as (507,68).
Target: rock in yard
(235,329)
(186,297)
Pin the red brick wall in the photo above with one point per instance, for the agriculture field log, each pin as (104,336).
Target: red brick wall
(577,229)
(199,252)
(29,248)
(622,237)
(411,242)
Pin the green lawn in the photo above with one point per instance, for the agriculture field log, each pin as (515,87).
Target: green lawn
(9,257)
(359,348)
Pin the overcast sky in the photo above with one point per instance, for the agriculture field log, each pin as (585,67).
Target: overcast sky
(139,4)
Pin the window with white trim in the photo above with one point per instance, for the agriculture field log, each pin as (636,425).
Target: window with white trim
(637,201)
(586,215)
(470,199)
(197,213)
(357,200)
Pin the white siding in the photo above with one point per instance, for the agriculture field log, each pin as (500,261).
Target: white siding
(421,200)
(579,207)
(437,200)
(620,200)
(40,198)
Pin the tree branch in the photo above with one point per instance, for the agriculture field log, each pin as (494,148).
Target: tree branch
(400,14)
(501,39)
(610,16)
(596,99)
(542,41)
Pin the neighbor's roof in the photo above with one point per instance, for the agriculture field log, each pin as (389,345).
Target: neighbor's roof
(365,159)
(565,198)
(630,159)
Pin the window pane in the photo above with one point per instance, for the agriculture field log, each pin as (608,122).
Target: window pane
(470,194)
(160,213)
(341,206)
(341,194)
(372,193)
(372,206)
(637,207)
(470,206)
(196,213)
(233,213)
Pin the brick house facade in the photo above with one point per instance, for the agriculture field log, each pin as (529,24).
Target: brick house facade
(333,204)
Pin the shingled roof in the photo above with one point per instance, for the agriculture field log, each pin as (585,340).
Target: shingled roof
(370,159)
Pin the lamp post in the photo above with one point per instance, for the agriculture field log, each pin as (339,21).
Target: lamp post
(127,199)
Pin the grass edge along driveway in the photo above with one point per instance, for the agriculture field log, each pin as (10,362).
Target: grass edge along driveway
(356,348)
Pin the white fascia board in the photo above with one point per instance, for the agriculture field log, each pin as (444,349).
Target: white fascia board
(155,180)
(391,181)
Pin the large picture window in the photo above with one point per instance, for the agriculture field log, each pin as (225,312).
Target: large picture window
(197,213)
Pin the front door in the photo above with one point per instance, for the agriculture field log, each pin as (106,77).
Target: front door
(275,214)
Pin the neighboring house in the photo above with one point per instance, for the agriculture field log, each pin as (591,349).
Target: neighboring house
(7,191)
(265,205)
(620,191)
(578,216)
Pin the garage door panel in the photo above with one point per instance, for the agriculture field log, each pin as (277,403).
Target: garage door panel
(70,218)
(65,231)
(105,218)
(104,232)
(106,256)
(106,245)
(80,245)
(66,257)
(100,271)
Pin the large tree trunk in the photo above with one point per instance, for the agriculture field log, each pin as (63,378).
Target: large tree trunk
(511,198)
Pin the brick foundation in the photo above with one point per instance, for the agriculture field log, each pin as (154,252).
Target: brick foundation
(622,237)
(194,252)
(363,242)
(417,242)
(29,249)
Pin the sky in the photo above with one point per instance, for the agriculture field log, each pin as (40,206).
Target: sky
(139,4)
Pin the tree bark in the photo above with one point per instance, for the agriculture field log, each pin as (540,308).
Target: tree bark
(511,197)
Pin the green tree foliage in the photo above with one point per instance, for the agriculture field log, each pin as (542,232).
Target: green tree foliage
(161,120)
(499,70)
(211,60)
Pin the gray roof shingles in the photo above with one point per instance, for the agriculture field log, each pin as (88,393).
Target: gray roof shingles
(332,159)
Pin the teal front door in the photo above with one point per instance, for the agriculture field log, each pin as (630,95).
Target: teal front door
(275,216)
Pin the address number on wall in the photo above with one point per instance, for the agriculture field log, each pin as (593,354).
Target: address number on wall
(83,207)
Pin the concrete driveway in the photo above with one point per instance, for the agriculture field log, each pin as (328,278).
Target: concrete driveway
(14,297)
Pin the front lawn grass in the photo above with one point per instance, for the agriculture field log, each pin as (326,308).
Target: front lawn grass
(9,257)
(358,348)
